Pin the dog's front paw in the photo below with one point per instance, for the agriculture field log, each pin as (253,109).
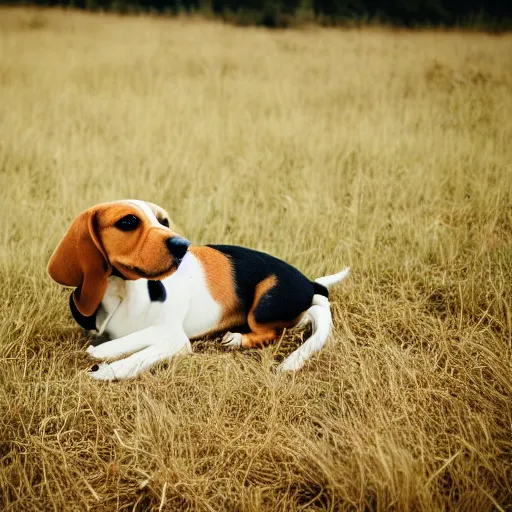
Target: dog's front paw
(232,340)
(94,352)
(101,372)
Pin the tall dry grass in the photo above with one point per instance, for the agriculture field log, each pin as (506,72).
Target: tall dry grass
(388,151)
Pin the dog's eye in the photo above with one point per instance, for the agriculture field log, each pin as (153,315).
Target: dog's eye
(164,222)
(128,223)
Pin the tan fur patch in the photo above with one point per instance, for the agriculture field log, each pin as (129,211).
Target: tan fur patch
(261,289)
(221,283)
(92,245)
(144,247)
(262,334)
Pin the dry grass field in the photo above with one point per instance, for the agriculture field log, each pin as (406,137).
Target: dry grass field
(387,151)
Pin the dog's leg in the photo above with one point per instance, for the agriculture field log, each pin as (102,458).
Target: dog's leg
(259,338)
(129,343)
(175,341)
(264,318)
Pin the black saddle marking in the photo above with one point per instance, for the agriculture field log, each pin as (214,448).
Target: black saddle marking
(292,294)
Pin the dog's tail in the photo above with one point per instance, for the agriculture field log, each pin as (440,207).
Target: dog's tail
(319,314)
(333,279)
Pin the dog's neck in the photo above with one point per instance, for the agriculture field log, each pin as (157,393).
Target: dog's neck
(117,273)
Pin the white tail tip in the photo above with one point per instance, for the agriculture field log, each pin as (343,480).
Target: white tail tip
(333,279)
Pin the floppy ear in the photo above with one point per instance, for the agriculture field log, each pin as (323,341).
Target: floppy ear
(80,260)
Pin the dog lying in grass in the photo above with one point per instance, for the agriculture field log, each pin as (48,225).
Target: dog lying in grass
(152,291)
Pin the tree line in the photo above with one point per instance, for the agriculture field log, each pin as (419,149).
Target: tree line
(491,14)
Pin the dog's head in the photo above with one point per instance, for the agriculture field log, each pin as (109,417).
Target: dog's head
(134,237)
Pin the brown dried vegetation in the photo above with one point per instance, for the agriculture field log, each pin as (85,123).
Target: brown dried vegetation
(387,151)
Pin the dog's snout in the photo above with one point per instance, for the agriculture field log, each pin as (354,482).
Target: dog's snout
(177,246)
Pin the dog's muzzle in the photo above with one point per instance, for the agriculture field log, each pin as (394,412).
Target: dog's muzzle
(177,246)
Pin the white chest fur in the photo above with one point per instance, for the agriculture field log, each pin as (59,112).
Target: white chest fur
(188,303)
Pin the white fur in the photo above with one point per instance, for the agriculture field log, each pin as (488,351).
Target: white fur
(232,339)
(333,278)
(170,343)
(203,313)
(154,331)
(319,314)
(147,210)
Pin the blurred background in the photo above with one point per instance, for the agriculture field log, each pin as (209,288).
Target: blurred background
(490,14)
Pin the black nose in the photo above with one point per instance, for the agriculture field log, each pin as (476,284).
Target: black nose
(177,246)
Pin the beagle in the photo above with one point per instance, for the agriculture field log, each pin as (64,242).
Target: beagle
(151,291)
